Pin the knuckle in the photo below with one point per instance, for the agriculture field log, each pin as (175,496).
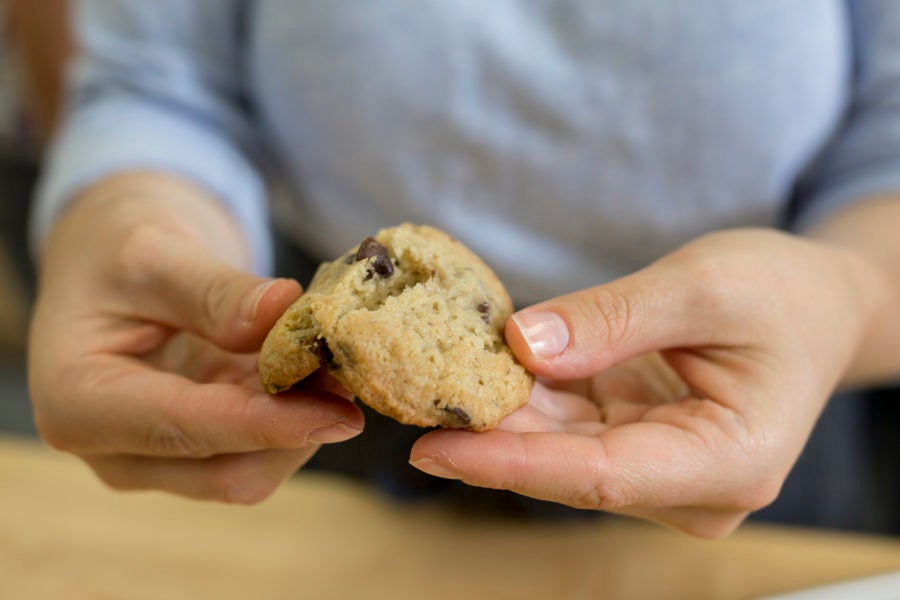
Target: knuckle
(760,495)
(139,255)
(595,489)
(613,311)
(53,432)
(268,429)
(600,494)
(766,473)
(726,282)
(590,483)
(712,283)
(593,497)
(216,299)
(171,440)
(281,437)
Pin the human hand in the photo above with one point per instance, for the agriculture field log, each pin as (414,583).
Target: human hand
(142,358)
(681,394)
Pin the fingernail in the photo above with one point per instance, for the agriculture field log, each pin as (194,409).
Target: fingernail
(339,432)
(545,332)
(250,304)
(435,468)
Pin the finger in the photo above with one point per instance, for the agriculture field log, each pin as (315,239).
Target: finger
(583,333)
(529,418)
(246,478)
(621,413)
(550,409)
(325,381)
(118,405)
(642,465)
(180,284)
(562,405)
(558,467)
(200,360)
(627,391)
(646,379)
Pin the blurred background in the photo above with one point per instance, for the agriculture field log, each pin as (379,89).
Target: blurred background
(34,42)
(34,45)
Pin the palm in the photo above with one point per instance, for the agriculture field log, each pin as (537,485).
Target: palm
(622,394)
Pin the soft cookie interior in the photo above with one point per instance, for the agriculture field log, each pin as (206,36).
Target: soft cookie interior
(411,322)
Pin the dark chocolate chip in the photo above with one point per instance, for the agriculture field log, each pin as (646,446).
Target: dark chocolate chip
(371,248)
(485,309)
(461,415)
(324,354)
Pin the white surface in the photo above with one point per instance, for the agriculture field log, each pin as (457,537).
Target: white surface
(879,587)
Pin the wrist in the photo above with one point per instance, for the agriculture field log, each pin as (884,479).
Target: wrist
(875,296)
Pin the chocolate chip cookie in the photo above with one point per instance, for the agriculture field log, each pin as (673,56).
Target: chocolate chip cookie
(411,322)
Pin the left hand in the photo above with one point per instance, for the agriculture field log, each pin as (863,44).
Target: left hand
(681,394)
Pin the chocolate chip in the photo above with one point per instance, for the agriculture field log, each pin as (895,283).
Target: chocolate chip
(461,415)
(371,248)
(324,354)
(485,309)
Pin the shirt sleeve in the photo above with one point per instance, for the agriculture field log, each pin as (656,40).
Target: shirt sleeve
(160,85)
(862,159)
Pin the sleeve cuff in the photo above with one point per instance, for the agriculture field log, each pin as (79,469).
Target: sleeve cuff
(119,134)
(870,181)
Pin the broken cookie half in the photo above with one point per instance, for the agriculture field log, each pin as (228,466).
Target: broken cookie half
(411,322)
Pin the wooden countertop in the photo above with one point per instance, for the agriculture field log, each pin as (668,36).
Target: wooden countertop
(65,536)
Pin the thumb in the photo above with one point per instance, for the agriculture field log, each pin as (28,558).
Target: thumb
(186,287)
(582,333)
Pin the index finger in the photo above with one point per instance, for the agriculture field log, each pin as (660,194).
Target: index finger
(117,404)
(639,465)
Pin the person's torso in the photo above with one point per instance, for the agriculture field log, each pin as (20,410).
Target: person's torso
(566,141)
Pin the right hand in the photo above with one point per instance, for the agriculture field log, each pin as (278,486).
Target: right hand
(142,357)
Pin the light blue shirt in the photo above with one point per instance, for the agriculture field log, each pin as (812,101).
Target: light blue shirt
(566,141)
